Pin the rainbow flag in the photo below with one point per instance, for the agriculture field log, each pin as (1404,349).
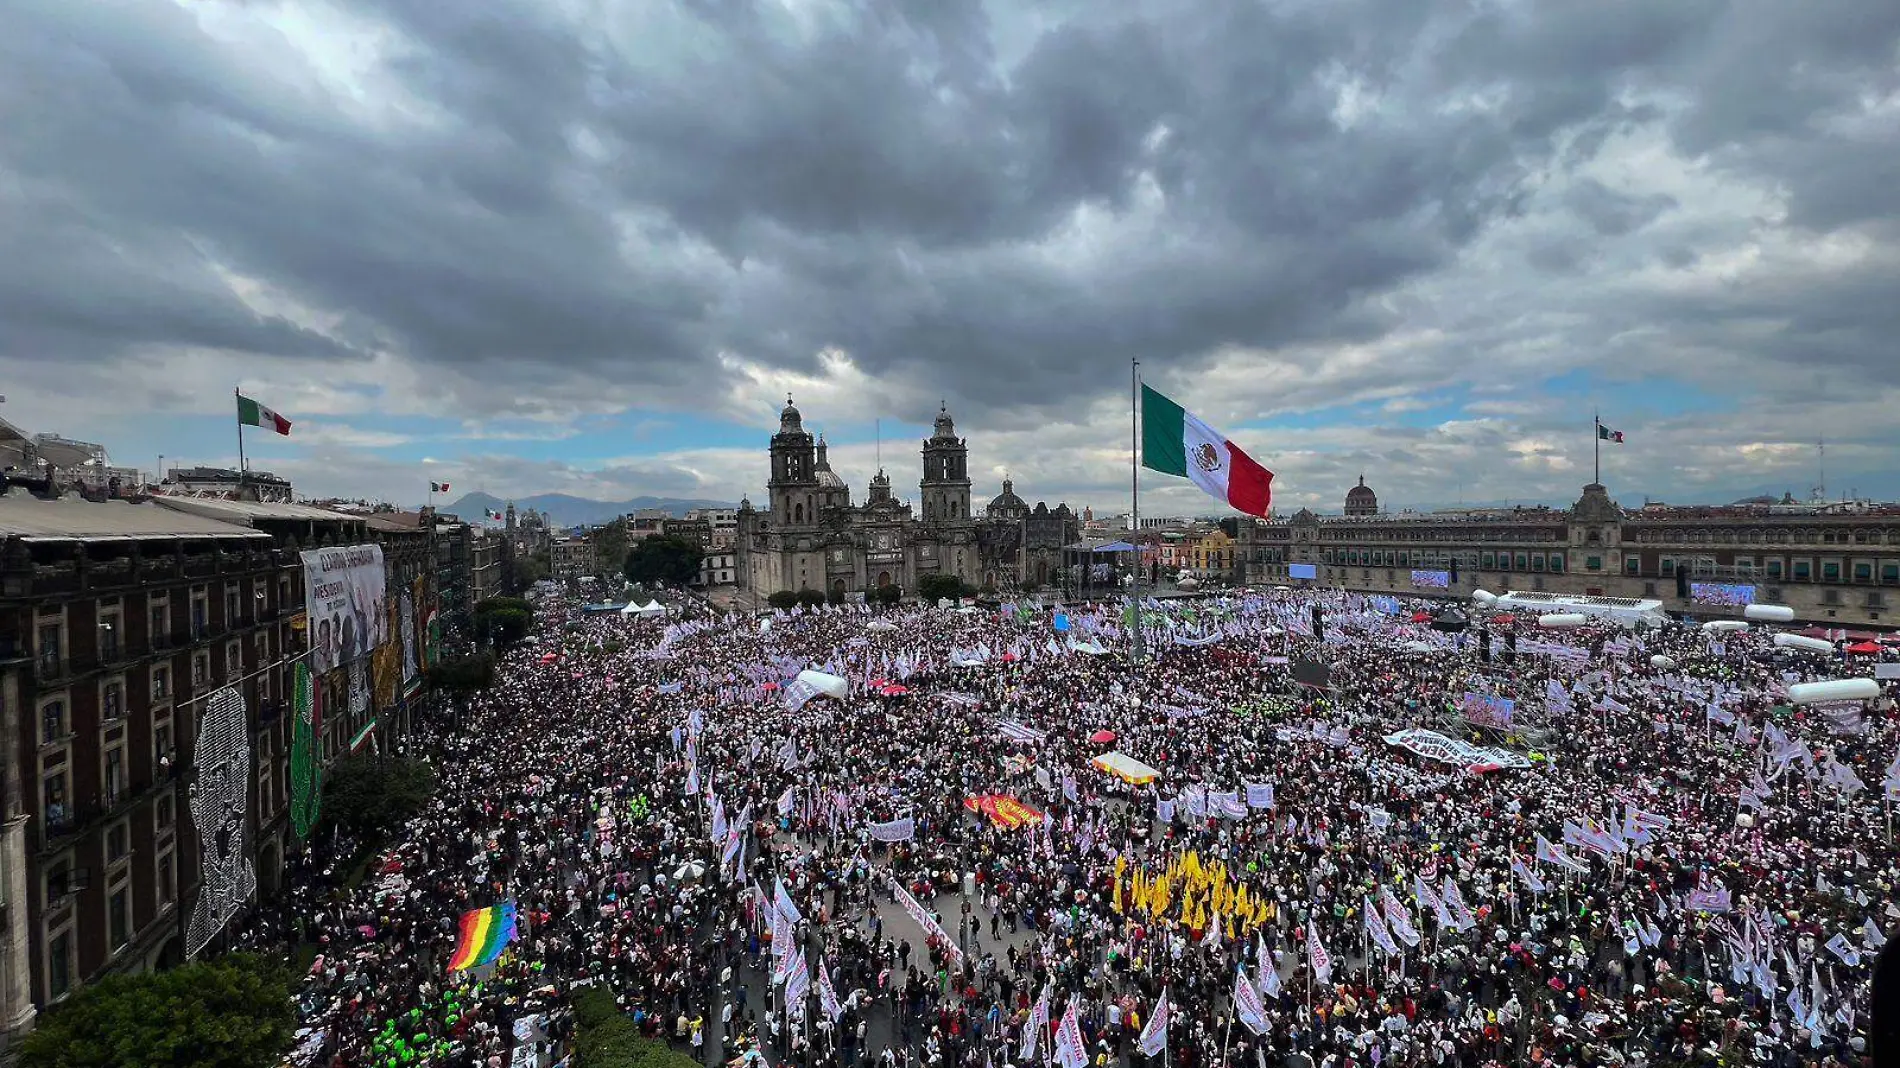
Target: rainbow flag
(485,933)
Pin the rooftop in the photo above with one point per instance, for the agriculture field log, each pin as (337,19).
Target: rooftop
(247,512)
(72,518)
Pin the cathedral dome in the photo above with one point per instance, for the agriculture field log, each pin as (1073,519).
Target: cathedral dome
(1360,500)
(789,420)
(945,429)
(1007,501)
(827,478)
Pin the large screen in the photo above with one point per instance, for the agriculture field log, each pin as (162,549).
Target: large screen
(1305,571)
(1437,580)
(1488,710)
(1722,593)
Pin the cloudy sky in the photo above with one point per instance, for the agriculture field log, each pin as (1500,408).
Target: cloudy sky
(588,246)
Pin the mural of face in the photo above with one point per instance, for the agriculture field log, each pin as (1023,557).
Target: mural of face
(218,798)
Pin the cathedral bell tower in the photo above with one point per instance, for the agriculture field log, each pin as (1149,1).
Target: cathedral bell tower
(946,481)
(794,483)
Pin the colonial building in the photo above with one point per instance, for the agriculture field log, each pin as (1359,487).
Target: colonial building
(1023,545)
(811,537)
(117,622)
(1833,565)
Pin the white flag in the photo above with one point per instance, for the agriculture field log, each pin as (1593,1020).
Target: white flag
(1247,1006)
(1154,1037)
(1321,960)
(1070,1051)
(1032,1031)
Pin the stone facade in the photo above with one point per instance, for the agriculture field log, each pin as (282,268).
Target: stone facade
(811,537)
(1837,567)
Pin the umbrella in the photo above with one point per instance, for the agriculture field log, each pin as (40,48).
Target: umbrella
(1102,737)
(1864,649)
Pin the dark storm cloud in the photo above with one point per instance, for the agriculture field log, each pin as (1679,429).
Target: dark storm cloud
(1006,202)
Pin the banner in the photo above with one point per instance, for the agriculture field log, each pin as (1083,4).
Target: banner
(306,765)
(1003,810)
(1436,580)
(895,831)
(346,604)
(411,625)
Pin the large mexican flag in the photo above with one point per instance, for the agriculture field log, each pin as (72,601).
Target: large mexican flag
(1174,442)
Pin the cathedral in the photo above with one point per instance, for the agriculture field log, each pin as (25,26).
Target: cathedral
(812,537)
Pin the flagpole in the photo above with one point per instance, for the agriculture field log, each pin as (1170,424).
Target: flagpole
(1134,493)
(238,413)
(1596,444)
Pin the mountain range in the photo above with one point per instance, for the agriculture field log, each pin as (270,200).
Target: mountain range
(568,511)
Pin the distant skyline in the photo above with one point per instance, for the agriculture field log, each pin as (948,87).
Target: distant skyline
(524,247)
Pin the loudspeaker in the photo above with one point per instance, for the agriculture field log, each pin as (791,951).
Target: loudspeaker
(1682,583)
(1319,622)
(1484,645)
(1510,648)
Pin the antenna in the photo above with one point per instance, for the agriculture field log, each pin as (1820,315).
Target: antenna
(1819,493)
(879,431)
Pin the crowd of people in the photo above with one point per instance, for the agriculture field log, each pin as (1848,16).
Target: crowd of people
(1642,854)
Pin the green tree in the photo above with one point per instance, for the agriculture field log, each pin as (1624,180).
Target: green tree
(605,1038)
(836,596)
(463,675)
(503,620)
(231,1012)
(664,558)
(782,599)
(885,595)
(811,598)
(933,588)
(373,796)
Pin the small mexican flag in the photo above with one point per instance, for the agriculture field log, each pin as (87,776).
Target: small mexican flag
(1174,442)
(1604,433)
(251,413)
(438,487)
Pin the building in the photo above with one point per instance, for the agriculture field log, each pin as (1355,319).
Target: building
(570,557)
(527,532)
(118,620)
(72,465)
(699,531)
(1361,501)
(485,570)
(224,482)
(1830,564)
(1020,545)
(811,537)
(718,568)
(722,522)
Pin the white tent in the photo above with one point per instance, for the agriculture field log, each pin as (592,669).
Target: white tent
(651,608)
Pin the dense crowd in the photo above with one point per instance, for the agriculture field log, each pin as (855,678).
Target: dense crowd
(1667,864)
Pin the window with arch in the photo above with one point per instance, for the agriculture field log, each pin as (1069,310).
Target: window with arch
(798,513)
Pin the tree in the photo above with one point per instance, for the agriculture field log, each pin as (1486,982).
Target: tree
(605,1038)
(231,1012)
(503,620)
(664,558)
(933,588)
(782,599)
(372,796)
(463,675)
(811,598)
(886,595)
(836,596)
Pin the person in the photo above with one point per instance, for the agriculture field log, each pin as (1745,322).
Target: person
(565,789)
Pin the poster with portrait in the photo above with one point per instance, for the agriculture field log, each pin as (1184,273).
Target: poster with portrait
(348,616)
